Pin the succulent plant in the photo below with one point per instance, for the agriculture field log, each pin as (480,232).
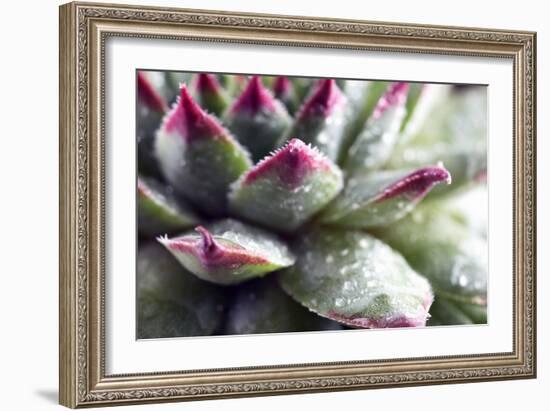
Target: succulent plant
(278,204)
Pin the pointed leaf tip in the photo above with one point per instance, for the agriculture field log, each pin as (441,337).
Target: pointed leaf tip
(375,143)
(257,119)
(229,252)
(254,98)
(285,91)
(199,157)
(383,197)
(208,244)
(207,83)
(285,189)
(417,184)
(281,86)
(322,118)
(395,96)
(326,97)
(190,120)
(291,164)
(148,95)
(209,93)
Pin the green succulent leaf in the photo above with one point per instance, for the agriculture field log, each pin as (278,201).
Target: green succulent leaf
(321,120)
(232,84)
(414,97)
(162,83)
(445,312)
(421,101)
(171,301)
(467,164)
(448,253)
(465,208)
(229,252)
(261,306)
(283,90)
(382,197)
(302,86)
(151,106)
(454,133)
(362,98)
(209,94)
(449,312)
(286,189)
(198,157)
(355,279)
(148,95)
(374,145)
(159,211)
(476,312)
(257,119)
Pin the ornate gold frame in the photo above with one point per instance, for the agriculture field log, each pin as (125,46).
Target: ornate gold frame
(83,30)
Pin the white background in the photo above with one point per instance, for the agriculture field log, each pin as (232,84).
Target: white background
(28,221)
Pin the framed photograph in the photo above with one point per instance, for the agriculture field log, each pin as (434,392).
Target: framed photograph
(259,204)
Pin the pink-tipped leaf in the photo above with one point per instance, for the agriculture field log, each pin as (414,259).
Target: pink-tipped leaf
(209,93)
(151,106)
(357,280)
(322,119)
(287,188)
(374,145)
(148,96)
(198,156)
(257,119)
(229,252)
(383,197)
(283,90)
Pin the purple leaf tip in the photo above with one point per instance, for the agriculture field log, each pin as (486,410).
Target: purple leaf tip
(395,96)
(209,245)
(326,97)
(417,184)
(392,322)
(291,163)
(190,120)
(281,86)
(148,95)
(210,252)
(207,83)
(254,98)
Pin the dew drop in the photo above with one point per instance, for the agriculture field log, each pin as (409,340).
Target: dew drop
(463,281)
